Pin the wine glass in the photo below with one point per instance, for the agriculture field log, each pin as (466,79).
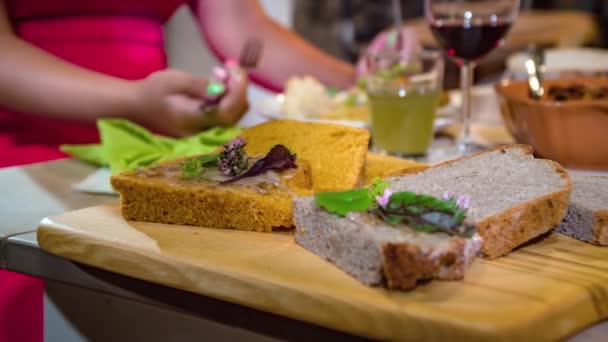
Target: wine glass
(467,30)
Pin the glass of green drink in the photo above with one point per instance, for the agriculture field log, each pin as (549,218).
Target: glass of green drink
(403,94)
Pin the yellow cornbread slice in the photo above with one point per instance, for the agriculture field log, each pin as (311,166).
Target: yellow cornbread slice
(336,153)
(259,203)
(382,166)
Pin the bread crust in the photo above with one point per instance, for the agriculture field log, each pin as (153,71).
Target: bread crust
(526,149)
(504,232)
(406,264)
(600,228)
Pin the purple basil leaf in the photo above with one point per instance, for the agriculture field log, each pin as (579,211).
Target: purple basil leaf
(279,158)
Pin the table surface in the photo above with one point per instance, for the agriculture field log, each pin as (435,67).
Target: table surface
(39,190)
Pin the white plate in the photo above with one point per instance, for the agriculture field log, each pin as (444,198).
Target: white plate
(272,108)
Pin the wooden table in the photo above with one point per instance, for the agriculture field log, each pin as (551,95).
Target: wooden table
(44,189)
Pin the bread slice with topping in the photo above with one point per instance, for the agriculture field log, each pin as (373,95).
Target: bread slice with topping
(382,166)
(587,216)
(375,252)
(259,203)
(336,153)
(514,197)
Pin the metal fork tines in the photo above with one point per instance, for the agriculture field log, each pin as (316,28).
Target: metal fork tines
(251,53)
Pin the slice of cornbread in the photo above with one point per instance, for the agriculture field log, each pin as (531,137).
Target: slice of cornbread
(260,203)
(336,153)
(378,165)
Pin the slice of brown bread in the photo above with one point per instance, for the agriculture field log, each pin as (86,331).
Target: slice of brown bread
(336,153)
(260,203)
(382,166)
(587,217)
(514,197)
(375,252)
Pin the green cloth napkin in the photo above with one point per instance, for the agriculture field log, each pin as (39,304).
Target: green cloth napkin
(126,146)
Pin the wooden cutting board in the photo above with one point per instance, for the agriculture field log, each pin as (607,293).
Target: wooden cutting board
(545,291)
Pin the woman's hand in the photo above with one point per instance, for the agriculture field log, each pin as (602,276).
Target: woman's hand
(234,104)
(169,101)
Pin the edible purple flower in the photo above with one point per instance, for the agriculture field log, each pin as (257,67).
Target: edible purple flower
(233,160)
(447,195)
(462,201)
(384,199)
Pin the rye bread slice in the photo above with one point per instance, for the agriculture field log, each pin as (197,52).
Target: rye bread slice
(514,196)
(375,252)
(587,216)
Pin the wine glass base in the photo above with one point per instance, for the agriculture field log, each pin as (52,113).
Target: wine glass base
(468,147)
(442,150)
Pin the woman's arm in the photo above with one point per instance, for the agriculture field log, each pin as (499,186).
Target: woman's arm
(227,24)
(34,81)
(168,101)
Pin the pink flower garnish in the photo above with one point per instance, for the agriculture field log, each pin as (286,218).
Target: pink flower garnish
(447,195)
(462,201)
(383,200)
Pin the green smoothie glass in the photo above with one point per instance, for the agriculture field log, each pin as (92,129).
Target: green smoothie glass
(403,92)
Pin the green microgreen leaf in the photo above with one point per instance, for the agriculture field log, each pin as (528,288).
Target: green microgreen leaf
(193,167)
(341,203)
(377,187)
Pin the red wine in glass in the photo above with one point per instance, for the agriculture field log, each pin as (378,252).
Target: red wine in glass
(469,41)
(467,30)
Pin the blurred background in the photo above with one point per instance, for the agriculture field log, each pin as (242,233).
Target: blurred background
(344,27)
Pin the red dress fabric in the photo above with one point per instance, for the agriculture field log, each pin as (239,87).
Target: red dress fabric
(122,38)
(119,38)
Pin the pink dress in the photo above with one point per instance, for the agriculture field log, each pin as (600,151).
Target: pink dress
(123,38)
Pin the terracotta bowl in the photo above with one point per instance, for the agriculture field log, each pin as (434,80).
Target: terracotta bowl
(573,133)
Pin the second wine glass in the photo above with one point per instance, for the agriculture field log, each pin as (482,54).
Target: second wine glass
(467,30)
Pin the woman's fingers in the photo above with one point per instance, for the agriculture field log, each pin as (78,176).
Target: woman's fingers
(234,103)
(179,82)
(184,115)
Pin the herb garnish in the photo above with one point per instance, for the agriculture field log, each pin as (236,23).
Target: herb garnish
(233,160)
(192,168)
(427,213)
(422,213)
(343,202)
(278,158)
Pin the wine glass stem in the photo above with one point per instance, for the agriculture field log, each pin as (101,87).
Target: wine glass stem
(466,80)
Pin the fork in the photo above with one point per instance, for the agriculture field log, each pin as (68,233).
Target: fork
(251,53)
(248,59)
